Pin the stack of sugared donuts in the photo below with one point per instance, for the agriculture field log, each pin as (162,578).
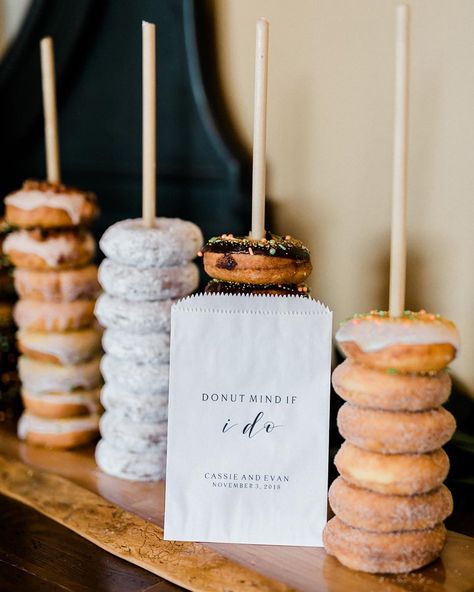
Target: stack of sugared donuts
(390,501)
(273,265)
(145,272)
(52,249)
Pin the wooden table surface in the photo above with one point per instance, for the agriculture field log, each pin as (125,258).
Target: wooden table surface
(305,569)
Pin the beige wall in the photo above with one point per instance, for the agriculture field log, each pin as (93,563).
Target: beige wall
(330,144)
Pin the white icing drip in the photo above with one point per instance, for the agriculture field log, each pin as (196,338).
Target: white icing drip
(70,347)
(45,377)
(71,203)
(371,335)
(66,285)
(53,250)
(32,423)
(57,316)
(89,399)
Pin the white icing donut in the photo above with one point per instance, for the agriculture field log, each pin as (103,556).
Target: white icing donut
(130,465)
(135,378)
(59,405)
(43,377)
(136,407)
(53,250)
(151,348)
(39,425)
(153,283)
(28,200)
(134,437)
(68,347)
(377,331)
(171,242)
(134,317)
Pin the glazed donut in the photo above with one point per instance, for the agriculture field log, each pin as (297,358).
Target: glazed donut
(367,387)
(171,242)
(53,316)
(271,260)
(219,287)
(123,434)
(395,432)
(383,552)
(135,378)
(40,204)
(44,377)
(58,286)
(153,283)
(396,474)
(45,250)
(148,466)
(136,407)
(69,347)
(63,433)
(134,317)
(59,405)
(415,342)
(150,348)
(361,508)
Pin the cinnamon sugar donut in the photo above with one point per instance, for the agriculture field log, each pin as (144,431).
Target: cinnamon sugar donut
(395,432)
(45,250)
(58,405)
(135,466)
(415,342)
(54,316)
(40,204)
(170,242)
(219,287)
(69,347)
(63,433)
(397,474)
(361,508)
(44,377)
(58,286)
(134,317)
(134,437)
(271,260)
(147,348)
(367,387)
(383,552)
(153,283)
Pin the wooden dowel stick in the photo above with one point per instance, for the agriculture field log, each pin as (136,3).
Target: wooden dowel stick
(149,124)
(260,131)
(398,250)
(48,80)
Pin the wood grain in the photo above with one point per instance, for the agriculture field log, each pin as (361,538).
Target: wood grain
(126,535)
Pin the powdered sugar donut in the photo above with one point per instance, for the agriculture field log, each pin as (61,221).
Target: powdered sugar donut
(135,378)
(134,317)
(53,316)
(137,407)
(59,405)
(170,242)
(43,377)
(134,466)
(135,437)
(58,433)
(150,348)
(153,283)
(68,347)
(58,286)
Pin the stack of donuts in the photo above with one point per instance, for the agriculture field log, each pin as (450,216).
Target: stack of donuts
(56,282)
(273,265)
(145,272)
(390,501)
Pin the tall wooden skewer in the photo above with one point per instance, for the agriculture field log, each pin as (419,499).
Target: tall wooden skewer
(48,81)
(398,250)
(149,123)
(260,130)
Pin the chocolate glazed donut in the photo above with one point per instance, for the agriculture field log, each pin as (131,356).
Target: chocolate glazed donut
(271,260)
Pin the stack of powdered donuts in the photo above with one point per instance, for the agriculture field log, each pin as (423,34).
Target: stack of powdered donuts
(146,270)
(390,501)
(52,249)
(273,265)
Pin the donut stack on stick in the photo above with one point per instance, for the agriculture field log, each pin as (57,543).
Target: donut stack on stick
(148,266)
(52,249)
(261,263)
(390,501)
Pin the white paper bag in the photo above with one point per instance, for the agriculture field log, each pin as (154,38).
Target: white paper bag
(248,420)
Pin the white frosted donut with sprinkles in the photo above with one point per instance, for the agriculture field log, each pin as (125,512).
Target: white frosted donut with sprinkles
(170,242)
(153,283)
